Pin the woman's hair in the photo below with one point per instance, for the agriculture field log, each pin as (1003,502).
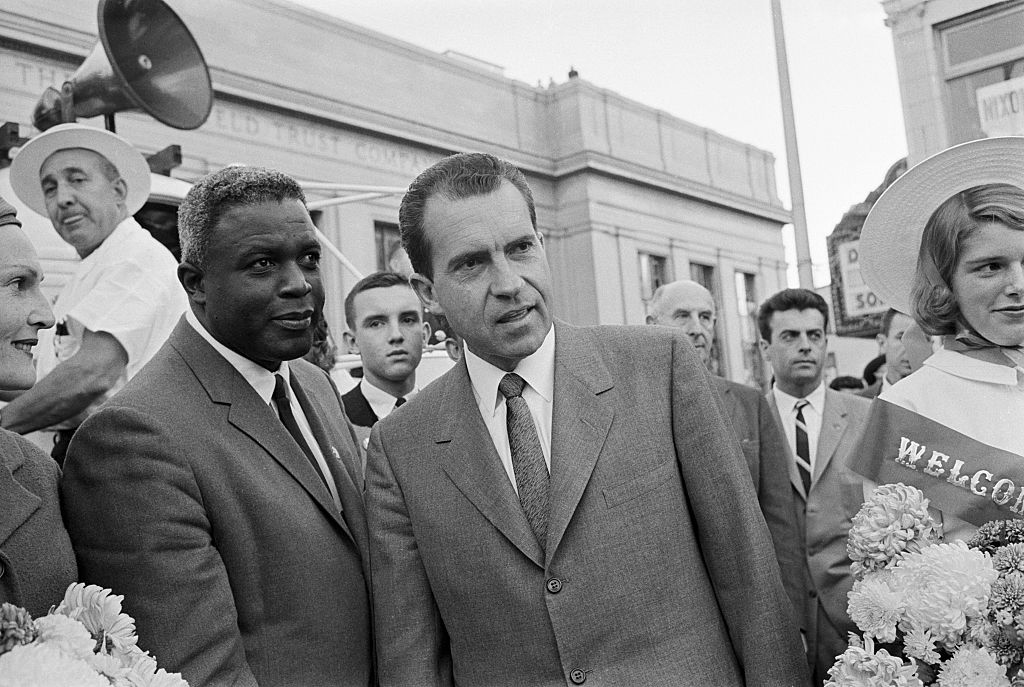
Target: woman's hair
(932,300)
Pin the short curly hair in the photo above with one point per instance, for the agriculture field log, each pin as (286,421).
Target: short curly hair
(455,177)
(932,300)
(214,194)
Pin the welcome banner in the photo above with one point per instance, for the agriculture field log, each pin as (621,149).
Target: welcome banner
(959,475)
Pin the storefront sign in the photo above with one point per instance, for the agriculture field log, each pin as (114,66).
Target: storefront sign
(1001,108)
(858,298)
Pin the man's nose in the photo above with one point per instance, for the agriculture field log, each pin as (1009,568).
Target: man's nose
(294,280)
(64,194)
(505,279)
(395,334)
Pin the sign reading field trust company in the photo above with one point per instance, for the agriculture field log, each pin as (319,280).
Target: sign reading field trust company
(1001,108)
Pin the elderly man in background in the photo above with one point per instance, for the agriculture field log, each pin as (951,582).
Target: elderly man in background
(891,346)
(687,305)
(123,299)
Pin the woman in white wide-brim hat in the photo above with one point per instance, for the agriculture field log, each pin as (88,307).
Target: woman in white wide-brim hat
(945,244)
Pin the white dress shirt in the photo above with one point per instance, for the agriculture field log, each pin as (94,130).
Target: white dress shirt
(381,401)
(538,370)
(262,381)
(813,413)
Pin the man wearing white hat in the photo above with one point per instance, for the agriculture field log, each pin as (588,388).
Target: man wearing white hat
(124,297)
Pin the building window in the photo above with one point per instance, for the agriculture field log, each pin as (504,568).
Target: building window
(705,276)
(389,242)
(653,273)
(746,307)
(983,65)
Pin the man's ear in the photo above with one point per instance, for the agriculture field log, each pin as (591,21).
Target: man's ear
(424,289)
(764,348)
(880,340)
(651,320)
(192,279)
(121,189)
(350,342)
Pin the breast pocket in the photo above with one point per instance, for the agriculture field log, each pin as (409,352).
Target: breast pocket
(635,488)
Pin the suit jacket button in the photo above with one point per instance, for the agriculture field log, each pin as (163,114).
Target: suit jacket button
(554,585)
(577,676)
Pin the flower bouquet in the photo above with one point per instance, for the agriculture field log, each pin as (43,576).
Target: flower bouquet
(85,641)
(931,613)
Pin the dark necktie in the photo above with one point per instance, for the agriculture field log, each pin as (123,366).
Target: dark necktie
(803,446)
(284,411)
(527,456)
(400,402)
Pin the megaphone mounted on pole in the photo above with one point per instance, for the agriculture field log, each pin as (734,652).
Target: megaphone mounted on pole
(146,59)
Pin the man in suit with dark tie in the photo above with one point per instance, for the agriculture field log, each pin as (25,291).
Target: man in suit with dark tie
(386,328)
(687,305)
(822,427)
(219,491)
(566,505)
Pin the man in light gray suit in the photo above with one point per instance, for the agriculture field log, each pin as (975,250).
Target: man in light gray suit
(687,305)
(822,427)
(558,509)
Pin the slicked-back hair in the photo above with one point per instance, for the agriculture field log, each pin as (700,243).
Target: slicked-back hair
(887,317)
(788,299)
(932,300)
(377,280)
(455,177)
(216,193)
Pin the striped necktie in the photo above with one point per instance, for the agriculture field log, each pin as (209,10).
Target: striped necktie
(527,456)
(803,447)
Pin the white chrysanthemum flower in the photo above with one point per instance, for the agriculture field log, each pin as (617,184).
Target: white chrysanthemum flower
(875,607)
(861,666)
(920,644)
(66,634)
(942,587)
(100,611)
(892,522)
(971,667)
(44,665)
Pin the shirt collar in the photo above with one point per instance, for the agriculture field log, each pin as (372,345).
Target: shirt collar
(260,378)
(967,367)
(375,395)
(786,403)
(111,243)
(537,369)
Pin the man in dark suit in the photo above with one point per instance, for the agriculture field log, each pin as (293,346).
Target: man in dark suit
(387,330)
(890,345)
(687,305)
(558,508)
(822,427)
(218,491)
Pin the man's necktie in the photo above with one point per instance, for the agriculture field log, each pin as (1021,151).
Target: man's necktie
(803,446)
(284,411)
(400,402)
(527,456)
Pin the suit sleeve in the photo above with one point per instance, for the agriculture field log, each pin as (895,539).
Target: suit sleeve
(733,537)
(776,499)
(411,640)
(138,525)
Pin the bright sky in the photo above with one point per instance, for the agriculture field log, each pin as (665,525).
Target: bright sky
(710,62)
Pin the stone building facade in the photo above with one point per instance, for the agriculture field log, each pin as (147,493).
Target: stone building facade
(627,196)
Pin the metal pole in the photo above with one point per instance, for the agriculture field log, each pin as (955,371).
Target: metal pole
(796,187)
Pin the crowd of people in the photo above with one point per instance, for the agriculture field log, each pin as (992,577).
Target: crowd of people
(567,505)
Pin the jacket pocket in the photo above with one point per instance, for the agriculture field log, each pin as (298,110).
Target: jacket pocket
(627,491)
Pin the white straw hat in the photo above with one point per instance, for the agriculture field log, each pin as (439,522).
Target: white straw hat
(891,237)
(30,158)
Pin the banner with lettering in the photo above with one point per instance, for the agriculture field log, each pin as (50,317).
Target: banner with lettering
(959,475)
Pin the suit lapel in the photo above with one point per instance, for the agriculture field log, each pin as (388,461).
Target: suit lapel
(249,414)
(580,421)
(18,502)
(315,415)
(833,425)
(794,475)
(467,455)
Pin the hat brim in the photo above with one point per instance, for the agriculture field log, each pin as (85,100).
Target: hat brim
(890,239)
(30,158)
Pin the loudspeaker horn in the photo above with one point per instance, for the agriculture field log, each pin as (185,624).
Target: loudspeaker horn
(145,59)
